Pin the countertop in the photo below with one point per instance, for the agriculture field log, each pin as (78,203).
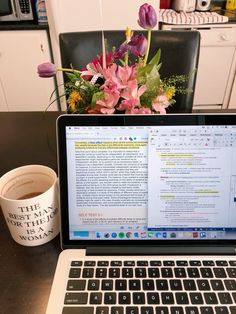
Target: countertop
(230,14)
(26,273)
(10,26)
(34,26)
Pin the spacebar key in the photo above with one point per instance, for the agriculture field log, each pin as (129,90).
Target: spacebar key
(78,310)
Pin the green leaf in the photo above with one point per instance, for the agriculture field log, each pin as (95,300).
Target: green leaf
(153,80)
(97,96)
(158,66)
(145,70)
(155,60)
(72,77)
(153,84)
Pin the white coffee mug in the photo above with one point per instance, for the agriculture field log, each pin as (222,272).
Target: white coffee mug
(29,201)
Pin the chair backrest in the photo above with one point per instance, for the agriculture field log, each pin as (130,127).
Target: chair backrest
(179,55)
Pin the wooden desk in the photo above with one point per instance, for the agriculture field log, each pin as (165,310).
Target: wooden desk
(26,273)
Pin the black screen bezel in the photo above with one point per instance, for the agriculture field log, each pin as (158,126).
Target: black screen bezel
(127,120)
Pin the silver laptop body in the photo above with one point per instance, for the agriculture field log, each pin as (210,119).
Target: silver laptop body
(148,214)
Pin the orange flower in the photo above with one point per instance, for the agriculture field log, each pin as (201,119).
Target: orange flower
(72,100)
(170,92)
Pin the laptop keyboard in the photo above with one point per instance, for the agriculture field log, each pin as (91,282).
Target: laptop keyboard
(151,287)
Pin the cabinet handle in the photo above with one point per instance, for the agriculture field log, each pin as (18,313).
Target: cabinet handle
(223,37)
(42,47)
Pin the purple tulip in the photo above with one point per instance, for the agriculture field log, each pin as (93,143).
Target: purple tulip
(138,45)
(147,16)
(121,51)
(47,69)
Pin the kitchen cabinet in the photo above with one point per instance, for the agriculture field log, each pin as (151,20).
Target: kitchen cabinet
(20,87)
(3,103)
(232,102)
(217,64)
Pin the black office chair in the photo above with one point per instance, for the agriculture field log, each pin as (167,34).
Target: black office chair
(179,55)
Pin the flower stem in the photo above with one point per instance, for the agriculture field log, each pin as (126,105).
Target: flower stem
(68,70)
(128,35)
(126,58)
(148,46)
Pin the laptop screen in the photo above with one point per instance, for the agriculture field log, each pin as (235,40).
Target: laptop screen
(150,181)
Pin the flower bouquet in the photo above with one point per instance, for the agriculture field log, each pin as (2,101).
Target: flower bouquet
(123,79)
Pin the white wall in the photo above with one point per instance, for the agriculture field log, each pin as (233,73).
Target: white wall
(88,15)
(78,15)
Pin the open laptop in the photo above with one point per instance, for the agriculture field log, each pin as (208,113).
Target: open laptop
(148,215)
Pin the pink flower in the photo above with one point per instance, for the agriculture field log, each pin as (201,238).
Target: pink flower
(110,72)
(142,110)
(132,90)
(105,105)
(126,73)
(109,59)
(97,109)
(128,105)
(160,103)
(112,81)
(131,95)
(92,70)
(108,102)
